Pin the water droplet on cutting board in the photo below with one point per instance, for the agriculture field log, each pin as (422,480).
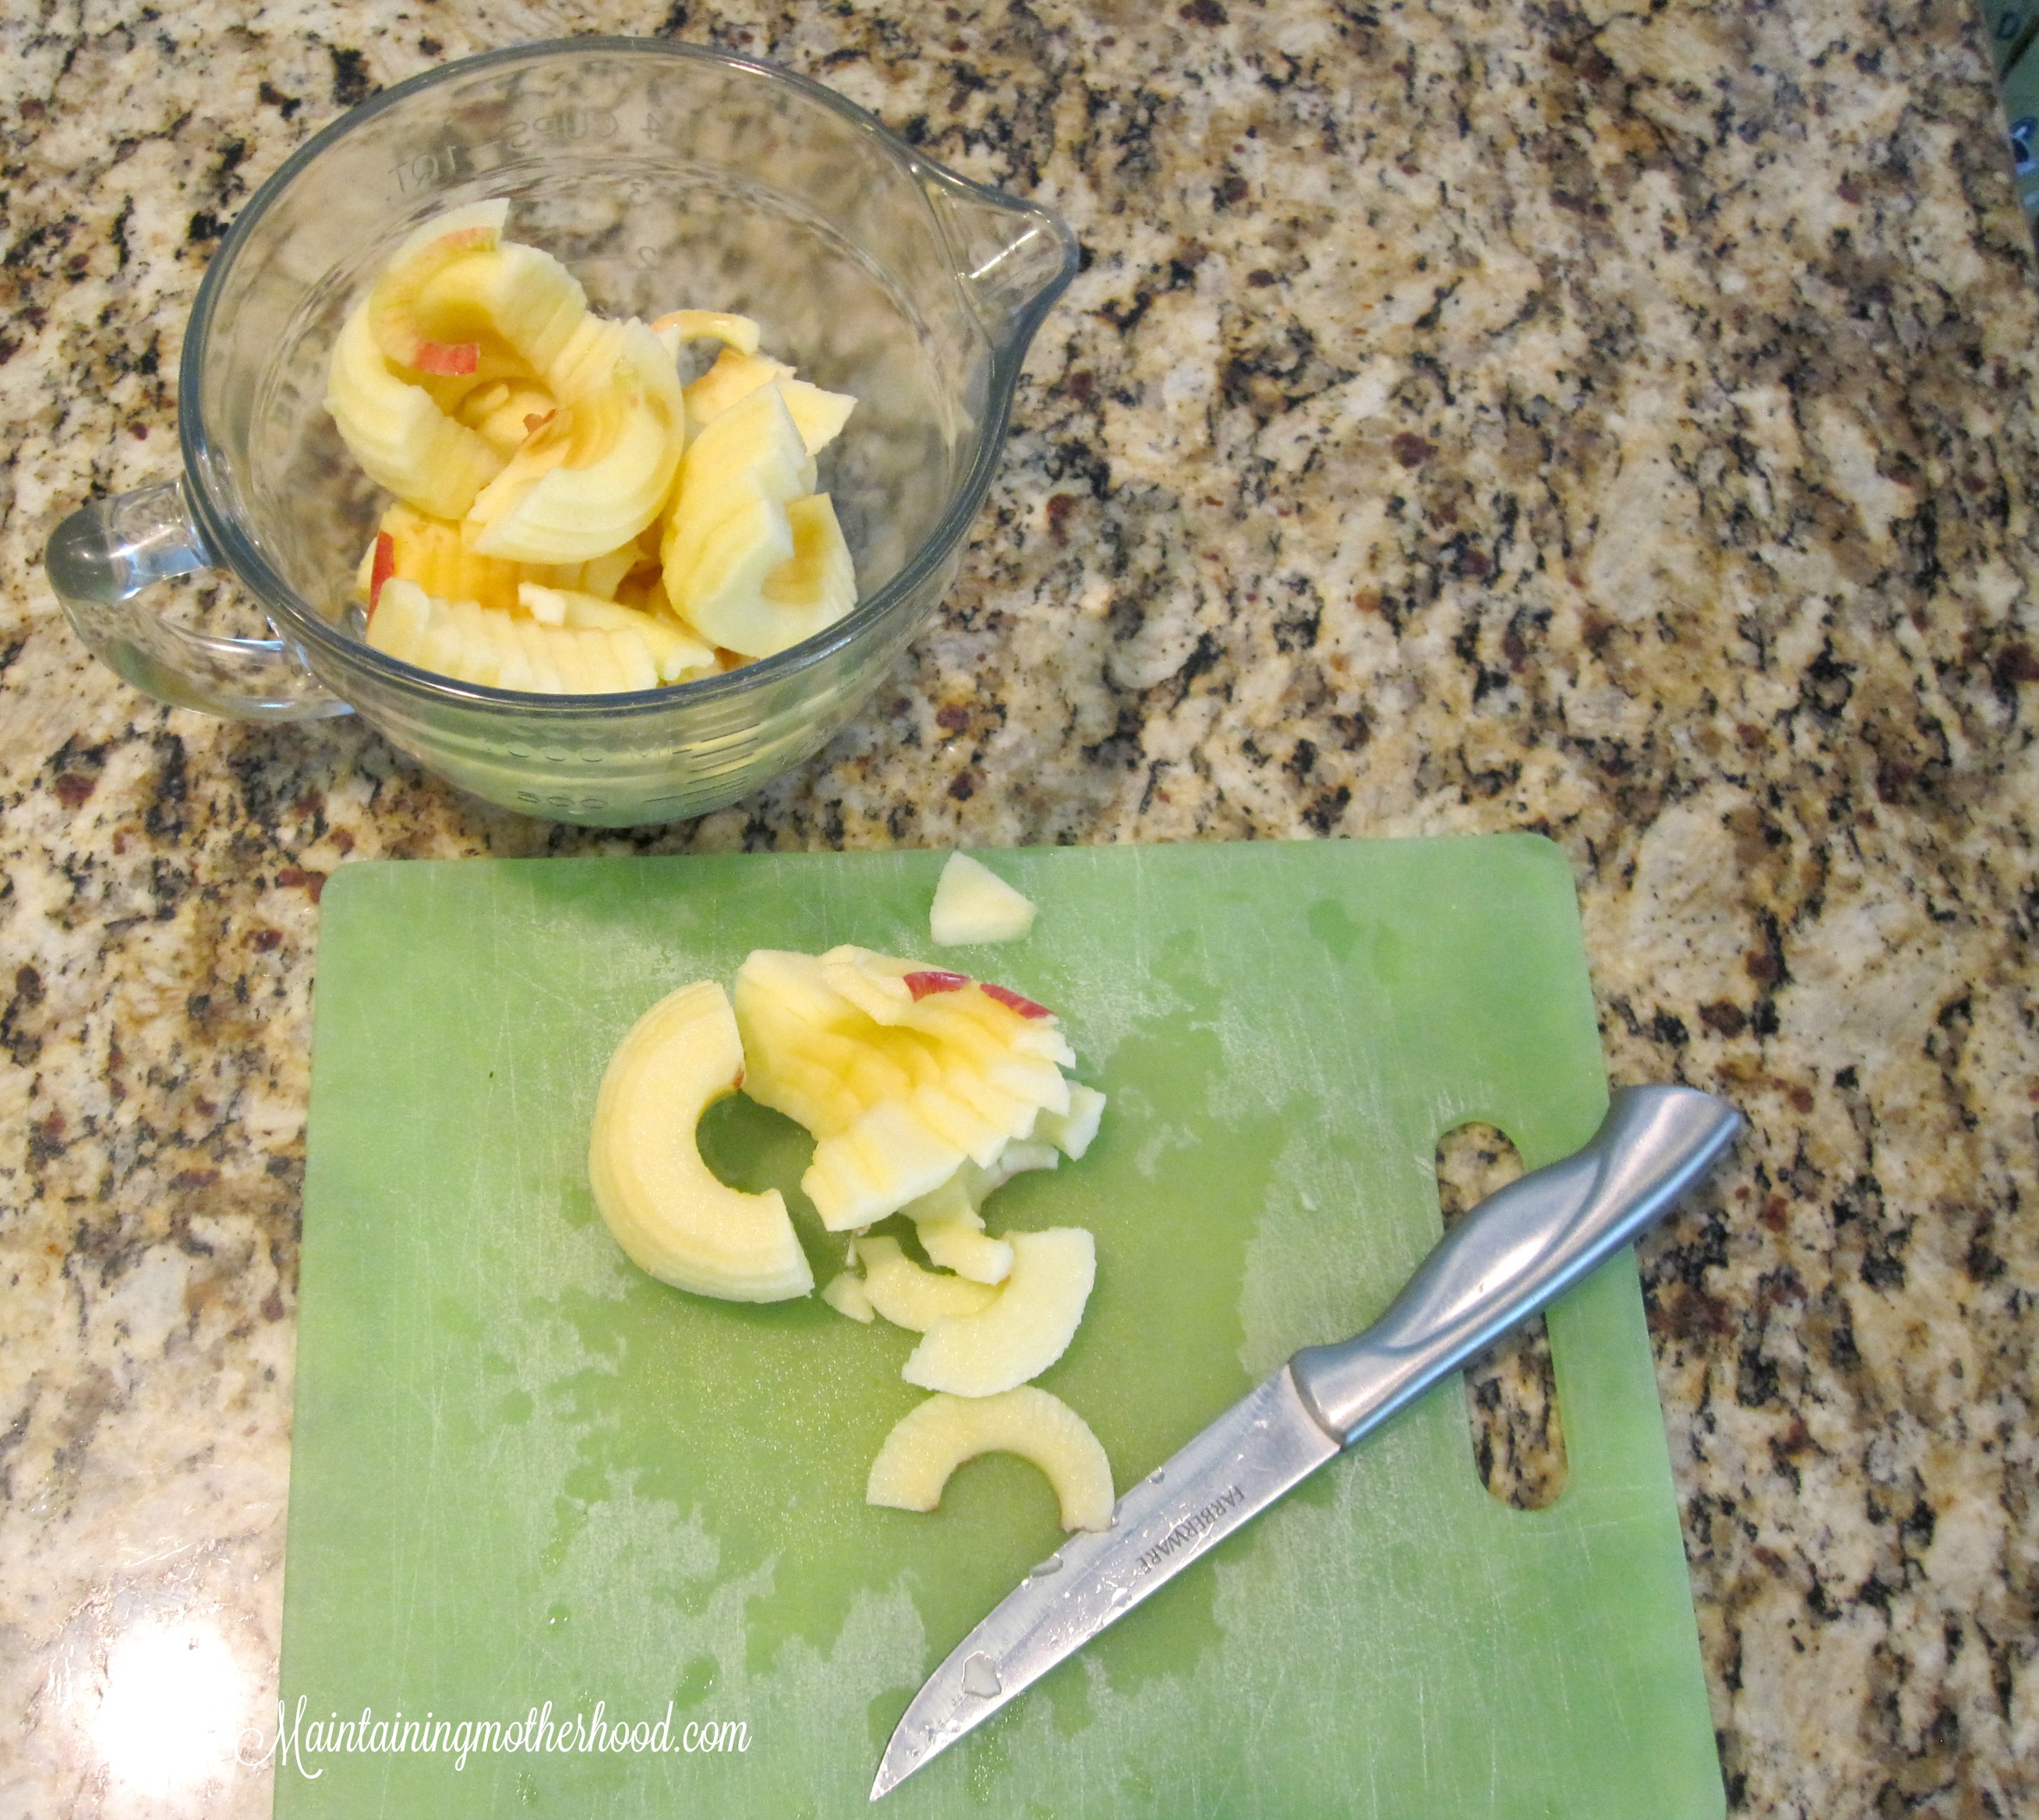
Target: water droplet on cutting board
(980,1676)
(1052,1565)
(1155,1477)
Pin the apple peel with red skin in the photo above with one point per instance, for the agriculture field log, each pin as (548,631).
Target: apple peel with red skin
(384,566)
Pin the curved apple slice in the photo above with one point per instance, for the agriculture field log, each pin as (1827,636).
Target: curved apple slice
(678,327)
(771,576)
(398,434)
(911,1297)
(667,1210)
(587,481)
(931,1440)
(460,233)
(517,301)
(1023,1329)
(746,455)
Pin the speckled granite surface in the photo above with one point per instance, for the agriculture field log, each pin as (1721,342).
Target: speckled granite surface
(1471,417)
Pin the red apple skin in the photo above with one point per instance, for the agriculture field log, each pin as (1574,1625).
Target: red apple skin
(385,566)
(933,980)
(449,359)
(1012,1001)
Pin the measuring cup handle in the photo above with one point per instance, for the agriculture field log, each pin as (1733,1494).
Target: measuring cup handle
(107,552)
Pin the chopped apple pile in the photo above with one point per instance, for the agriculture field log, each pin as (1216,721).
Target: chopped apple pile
(570,517)
(925,1091)
(903,1072)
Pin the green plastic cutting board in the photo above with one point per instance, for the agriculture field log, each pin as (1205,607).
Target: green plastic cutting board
(524,1473)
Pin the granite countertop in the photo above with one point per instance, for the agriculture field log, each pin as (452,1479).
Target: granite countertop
(1617,424)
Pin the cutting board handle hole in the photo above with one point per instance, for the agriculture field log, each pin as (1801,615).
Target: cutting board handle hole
(1518,1435)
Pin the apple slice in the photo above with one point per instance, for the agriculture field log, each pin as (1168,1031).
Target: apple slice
(473,644)
(1072,1132)
(398,434)
(911,1297)
(520,307)
(430,552)
(746,454)
(972,904)
(819,416)
(675,655)
(678,327)
(1023,1331)
(931,1440)
(474,232)
(669,1212)
(587,480)
(737,373)
(950,1221)
(843,1292)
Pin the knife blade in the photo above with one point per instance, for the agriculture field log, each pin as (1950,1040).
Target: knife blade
(1507,1258)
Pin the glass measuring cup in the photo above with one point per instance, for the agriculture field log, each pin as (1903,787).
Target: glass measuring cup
(663,176)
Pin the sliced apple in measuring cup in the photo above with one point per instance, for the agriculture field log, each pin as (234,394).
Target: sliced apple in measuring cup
(754,559)
(473,644)
(515,299)
(678,327)
(921,1453)
(595,474)
(431,552)
(1023,1329)
(676,655)
(403,440)
(458,350)
(819,416)
(746,455)
(911,1297)
(667,1209)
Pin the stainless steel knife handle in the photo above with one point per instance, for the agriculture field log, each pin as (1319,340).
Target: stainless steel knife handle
(1516,1251)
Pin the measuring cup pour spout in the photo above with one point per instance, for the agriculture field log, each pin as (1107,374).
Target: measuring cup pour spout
(1011,258)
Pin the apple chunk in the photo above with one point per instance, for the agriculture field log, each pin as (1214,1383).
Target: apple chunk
(911,1297)
(1072,1132)
(973,903)
(666,1209)
(929,1442)
(1023,1329)
(843,1292)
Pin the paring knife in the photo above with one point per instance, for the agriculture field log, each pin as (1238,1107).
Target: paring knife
(1514,1253)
